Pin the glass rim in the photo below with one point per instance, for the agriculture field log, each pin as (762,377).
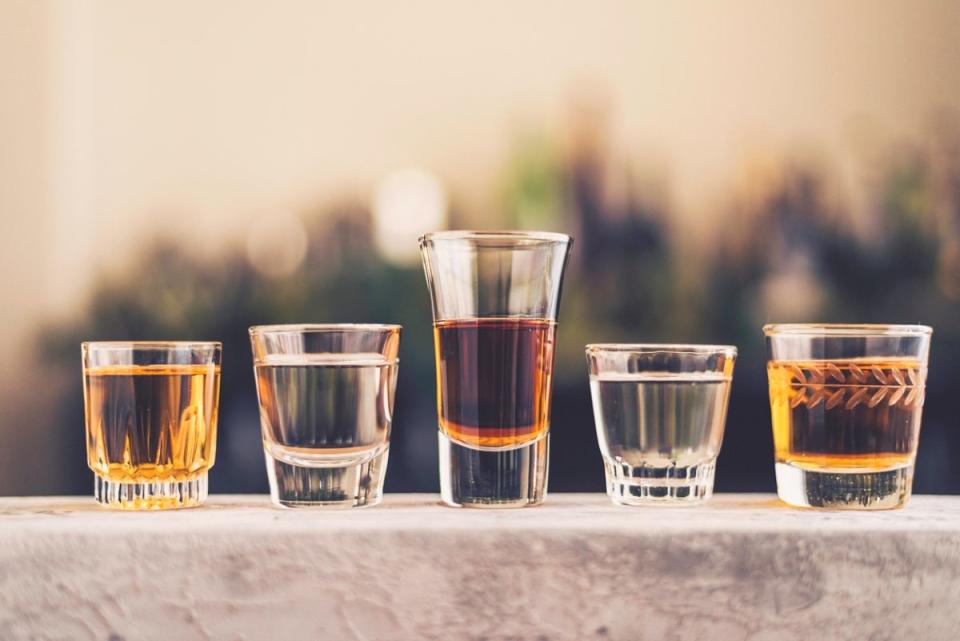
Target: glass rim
(845,329)
(133,345)
(323,328)
(516,236)
(669,348)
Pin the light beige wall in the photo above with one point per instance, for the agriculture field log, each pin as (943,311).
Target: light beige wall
(26,157)
(199,117)
(26,149)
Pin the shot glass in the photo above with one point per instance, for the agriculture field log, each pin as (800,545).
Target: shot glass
(326,405)
(845,402)
(660,411)
(151,421)
(495,297)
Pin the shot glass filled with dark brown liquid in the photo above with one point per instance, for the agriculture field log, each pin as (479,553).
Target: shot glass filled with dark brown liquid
(495,297)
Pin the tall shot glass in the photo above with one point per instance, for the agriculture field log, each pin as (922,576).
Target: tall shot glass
(151,421)
(660,412)
(845,402)
(326,406)
(495,297)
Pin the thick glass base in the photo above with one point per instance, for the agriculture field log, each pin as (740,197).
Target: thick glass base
(493,478)
(150,495)
(849,490)
(659,485)
(325,480)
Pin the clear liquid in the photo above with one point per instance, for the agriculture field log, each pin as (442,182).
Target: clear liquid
(660,419)
(326,403)
(326,426)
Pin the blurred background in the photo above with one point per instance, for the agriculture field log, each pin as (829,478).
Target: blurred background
(183,170)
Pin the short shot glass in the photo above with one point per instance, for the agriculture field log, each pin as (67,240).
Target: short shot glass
(660,412)
(151,421)
(326,405)
(845,403)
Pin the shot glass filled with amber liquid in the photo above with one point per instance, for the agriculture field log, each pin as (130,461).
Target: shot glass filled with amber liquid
(495,297)
(846,402)
(151,421)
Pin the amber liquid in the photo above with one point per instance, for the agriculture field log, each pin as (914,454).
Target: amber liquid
(854,415)
(151,422)
(493,379)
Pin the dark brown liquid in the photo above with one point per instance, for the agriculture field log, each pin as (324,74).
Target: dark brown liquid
(494,378)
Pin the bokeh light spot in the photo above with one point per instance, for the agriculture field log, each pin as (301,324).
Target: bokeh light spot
(406,204)
(276,244)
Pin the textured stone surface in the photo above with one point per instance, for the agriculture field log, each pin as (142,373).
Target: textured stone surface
(741,567)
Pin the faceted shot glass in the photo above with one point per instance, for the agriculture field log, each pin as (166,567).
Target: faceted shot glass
(495,297)
(326,405)
(660,412)
(151,421)
(845,402)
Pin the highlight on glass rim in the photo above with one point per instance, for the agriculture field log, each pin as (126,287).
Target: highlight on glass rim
(439,320)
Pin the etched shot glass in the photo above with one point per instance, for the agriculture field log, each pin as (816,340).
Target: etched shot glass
(326,405)
(151,421)
(660,411)
(845,402)
(495,297)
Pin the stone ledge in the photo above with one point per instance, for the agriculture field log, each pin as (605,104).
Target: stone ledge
(741,567)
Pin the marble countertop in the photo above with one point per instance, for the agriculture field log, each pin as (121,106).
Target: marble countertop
(743,566)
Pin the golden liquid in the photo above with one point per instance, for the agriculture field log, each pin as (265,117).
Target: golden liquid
(852,415)
(150,423)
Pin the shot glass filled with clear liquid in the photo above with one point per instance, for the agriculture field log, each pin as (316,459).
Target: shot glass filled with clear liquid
(151,421)
(326,405)
(845,402)
(660,412)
